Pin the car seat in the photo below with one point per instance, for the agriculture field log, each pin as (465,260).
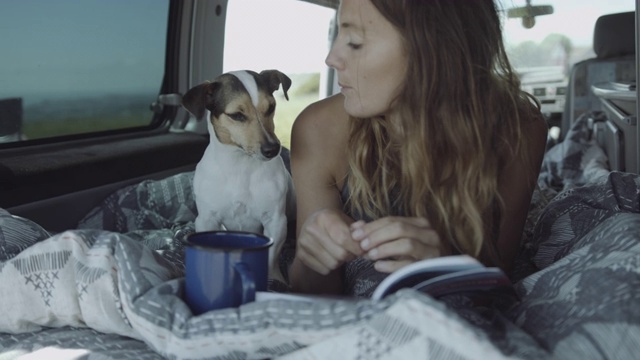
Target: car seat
(615,67)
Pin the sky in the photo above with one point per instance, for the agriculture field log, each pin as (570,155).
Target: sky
(277,40)
(73,45)
(49,45)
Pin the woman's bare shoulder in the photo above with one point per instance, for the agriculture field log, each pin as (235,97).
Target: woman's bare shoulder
(538,125)
(319,140)
(325,110)
(531,140)
(536,132)
(323,120)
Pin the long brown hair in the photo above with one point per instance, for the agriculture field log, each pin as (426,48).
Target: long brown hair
(460,114)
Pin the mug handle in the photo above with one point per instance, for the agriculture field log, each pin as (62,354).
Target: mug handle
(248,282)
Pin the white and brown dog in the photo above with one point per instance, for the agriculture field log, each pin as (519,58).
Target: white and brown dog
(241,182)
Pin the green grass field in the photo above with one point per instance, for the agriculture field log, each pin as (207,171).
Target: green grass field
(68,117)
(303,91)
(286,113)
(68,126)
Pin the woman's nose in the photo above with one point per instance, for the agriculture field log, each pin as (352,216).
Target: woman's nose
(332,59)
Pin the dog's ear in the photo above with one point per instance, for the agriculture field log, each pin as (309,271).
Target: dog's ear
(197,98)
(274,79)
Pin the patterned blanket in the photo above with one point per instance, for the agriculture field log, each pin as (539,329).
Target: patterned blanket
(112,288)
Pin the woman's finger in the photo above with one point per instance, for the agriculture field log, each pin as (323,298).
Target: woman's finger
(388,221)
(404,248)
(393,229)
(389,266)
(324,252)
(325,242)
(313,262)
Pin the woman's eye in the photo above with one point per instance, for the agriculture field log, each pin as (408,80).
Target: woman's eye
(354,46)
(237,116)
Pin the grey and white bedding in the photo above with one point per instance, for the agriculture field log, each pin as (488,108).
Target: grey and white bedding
(111,289)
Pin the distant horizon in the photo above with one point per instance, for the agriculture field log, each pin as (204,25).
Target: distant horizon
(32,98)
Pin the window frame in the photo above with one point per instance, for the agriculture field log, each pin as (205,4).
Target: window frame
(55,181)
(159,122)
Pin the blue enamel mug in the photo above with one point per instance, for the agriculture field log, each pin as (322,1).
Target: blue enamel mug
(225,269)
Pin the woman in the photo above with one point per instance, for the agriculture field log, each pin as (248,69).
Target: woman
(431,148)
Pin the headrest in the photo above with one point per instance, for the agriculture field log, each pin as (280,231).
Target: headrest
(614,35)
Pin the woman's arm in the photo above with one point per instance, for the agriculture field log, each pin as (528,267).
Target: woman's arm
(319,166)
(516,184)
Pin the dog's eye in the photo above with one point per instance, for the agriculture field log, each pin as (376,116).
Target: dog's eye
(271,109)
(237,116)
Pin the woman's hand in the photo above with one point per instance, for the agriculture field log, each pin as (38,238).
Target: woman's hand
(325,242)
(393,242)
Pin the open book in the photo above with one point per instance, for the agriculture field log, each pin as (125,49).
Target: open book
(445,275)
(436,277)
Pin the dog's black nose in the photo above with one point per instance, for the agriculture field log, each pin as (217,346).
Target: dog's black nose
(270,150)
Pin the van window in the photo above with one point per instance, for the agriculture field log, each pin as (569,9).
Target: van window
(77,66)
(544,51)
(295,42)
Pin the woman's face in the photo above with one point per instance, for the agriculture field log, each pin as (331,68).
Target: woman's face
(369,58)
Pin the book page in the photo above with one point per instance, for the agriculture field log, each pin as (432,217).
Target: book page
(467,281)
(415,273)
